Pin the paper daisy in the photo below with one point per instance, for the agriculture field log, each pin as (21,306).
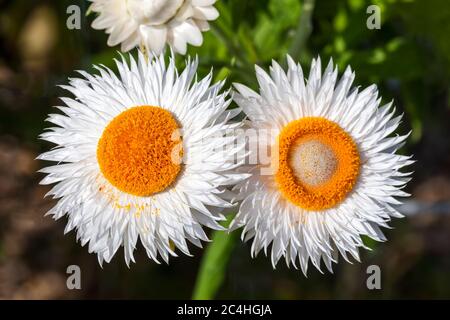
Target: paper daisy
(134,160)
(154,23)
(335,172)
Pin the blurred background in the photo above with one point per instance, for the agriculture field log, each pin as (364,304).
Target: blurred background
(408,58)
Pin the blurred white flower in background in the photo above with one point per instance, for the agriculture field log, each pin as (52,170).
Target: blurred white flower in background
(154,23)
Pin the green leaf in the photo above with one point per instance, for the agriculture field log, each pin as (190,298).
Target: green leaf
(341,20)
(223,73)
(89,10)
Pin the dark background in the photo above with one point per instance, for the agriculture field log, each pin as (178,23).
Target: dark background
(408,58)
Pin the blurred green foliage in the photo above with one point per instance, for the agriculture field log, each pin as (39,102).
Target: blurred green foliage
(408,57)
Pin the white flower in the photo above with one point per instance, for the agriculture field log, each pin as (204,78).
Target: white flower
(153,23)
(118,174)
(335,169)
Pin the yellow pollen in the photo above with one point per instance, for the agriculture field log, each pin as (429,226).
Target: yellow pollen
(139,151)
(318,163)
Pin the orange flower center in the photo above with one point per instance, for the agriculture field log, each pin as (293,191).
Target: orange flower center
(318,163)
(140,150)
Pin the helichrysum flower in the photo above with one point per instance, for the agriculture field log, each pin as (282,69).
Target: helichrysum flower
(154,23)
(334,172)
(134,158)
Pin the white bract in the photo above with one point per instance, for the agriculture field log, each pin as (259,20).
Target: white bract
(104,216)
(340,179)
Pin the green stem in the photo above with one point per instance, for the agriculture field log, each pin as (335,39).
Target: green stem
(304,29)
(214,264)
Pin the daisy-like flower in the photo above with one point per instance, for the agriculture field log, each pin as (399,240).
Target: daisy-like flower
(134,160)
(334,172)
(154,23)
